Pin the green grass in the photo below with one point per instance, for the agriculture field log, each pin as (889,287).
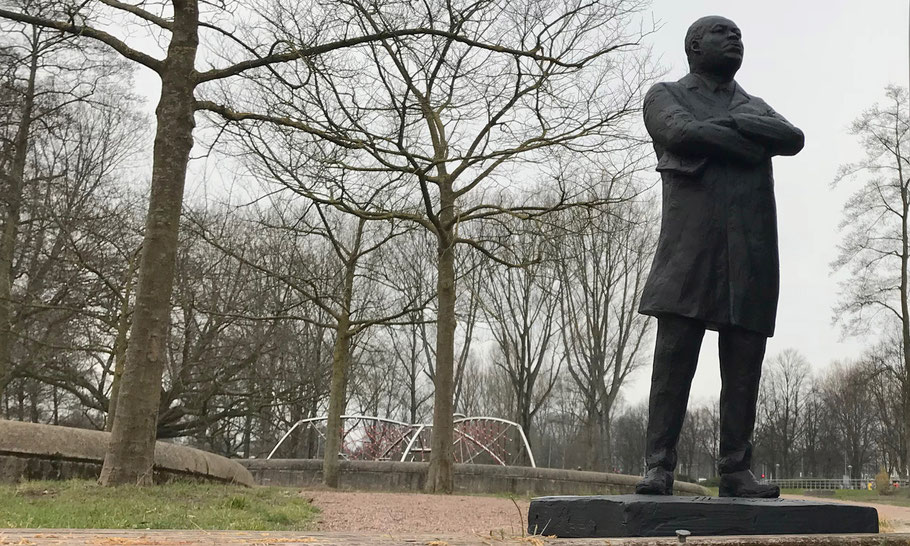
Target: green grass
(792,491)
(899,498)
(182,505)
(855,495)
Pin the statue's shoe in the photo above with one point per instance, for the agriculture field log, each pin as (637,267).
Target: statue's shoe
(743,484)
(657,481)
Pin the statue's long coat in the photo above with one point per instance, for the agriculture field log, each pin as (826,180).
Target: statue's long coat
(717,257)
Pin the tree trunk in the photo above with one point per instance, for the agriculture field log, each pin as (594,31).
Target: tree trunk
(130,456)
(55,399)
(247,433)
(441,474)
(340,368)
(120,344)
(412,390)
(13,198)
(333,430)
(903,462)
(592,434)
(312,445)
(524,422)
(905,305)
(606,442)
(33,393)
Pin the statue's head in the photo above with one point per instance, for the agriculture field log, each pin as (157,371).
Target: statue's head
(714,46)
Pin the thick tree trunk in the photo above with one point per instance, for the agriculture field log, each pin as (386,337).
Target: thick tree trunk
(441,475)
(905,305)
(10,229)
(524,421)
(131,454)
(905,313)
(904,455)
(592,442)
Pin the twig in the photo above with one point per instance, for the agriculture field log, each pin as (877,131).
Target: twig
(521,517)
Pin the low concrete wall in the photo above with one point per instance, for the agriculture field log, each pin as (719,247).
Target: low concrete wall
(469,478)
(31,451)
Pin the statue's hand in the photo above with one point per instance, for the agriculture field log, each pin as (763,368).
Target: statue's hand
(752,109)
(725,121)
(754,152)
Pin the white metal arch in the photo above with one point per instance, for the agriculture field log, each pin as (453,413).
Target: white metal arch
(302,422)
(413,432)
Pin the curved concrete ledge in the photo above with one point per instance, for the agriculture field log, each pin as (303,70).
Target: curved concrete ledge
(34,451)
(469,478)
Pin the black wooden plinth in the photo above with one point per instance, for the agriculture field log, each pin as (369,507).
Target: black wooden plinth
(656,516)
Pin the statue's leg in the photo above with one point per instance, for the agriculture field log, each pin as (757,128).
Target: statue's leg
(741,355)
(675,358)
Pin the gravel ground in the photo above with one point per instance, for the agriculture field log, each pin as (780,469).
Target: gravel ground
(409,513)
(896,518)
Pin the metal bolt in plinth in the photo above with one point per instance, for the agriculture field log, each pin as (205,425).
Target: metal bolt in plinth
(681,534)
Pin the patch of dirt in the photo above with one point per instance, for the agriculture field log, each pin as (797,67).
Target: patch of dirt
(894,519)
(415,514)
(420,514)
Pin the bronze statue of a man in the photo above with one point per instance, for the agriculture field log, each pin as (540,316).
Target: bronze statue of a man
(716,264)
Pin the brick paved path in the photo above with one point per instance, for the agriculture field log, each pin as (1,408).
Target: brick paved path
(99,537)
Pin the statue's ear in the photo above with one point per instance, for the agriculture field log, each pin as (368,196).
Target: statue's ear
(695,46)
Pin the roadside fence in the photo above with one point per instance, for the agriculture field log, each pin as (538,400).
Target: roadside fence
(831,483)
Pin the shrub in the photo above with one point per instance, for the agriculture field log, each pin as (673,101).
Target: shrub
(883,483)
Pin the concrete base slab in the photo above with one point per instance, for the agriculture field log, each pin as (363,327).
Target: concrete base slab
(96,537)
(660,516)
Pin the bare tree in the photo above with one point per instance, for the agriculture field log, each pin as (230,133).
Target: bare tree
(470,268)
(603,262)
(846,395)
(433,121)
(709,433)
(876,247)
(823,446)
(45,76)
(889,391)
(521,306)
(629,431)
(70,131)
(410,261)
(780,407)
(689,444)
(344,285)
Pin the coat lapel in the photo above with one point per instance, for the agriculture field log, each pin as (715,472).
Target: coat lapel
(740,97)
(694,83)
(710,104)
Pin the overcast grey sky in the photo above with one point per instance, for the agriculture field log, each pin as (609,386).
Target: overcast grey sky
(819,63)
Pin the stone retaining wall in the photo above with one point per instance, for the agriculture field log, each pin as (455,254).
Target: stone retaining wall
(32,451)
(469,478)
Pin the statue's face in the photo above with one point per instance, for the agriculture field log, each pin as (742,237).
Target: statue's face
(720,49)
